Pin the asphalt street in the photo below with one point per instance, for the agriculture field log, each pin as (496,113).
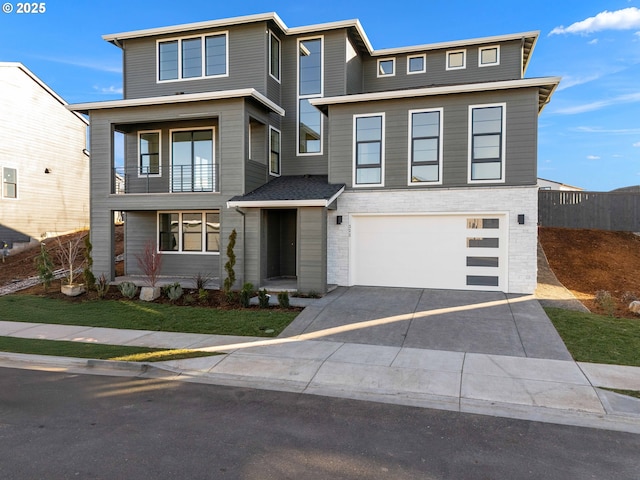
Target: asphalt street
(62,426)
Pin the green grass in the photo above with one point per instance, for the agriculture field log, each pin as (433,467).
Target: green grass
(598,338)
(629,393)
(137,315)
(94,350)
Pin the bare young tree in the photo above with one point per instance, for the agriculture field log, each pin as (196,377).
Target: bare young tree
(69,255)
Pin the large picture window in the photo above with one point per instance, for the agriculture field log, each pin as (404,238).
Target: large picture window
(189,232)
(310,85)
(487,143)
(192,166)
(368,149)
(149,153)
(196,57)
(425,148)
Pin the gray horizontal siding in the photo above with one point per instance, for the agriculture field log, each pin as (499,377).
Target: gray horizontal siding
(247,65)
(436,74)
(521,140)
(312,249)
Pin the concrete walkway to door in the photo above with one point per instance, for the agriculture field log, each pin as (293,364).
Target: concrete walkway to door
(453,320)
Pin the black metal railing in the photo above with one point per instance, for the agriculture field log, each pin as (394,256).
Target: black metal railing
(174,179)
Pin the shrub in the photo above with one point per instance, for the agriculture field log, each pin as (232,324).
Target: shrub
(283,299)
(173,291)
(203,295)
(150,262)
(201,280)
(231,261)
(102,286)
(628,297)
(263,298)
(128,289)
(245,294)
(44,267)
(89,277)
(605,301)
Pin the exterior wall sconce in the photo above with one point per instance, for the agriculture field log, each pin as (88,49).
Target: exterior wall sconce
(521,219)
(46,170)
(339,220)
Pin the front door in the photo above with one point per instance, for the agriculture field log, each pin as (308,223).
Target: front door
(281,243)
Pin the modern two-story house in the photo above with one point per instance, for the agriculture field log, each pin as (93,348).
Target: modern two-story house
(336,164)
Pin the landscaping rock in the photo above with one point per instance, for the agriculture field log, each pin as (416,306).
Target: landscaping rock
(635,307)
(149,294)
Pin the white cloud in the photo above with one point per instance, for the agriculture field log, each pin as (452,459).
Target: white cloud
(593,42)
(593,157)
(620,131)
(597,105)
(569,81)
(624,19)
(110,90)
(637,144)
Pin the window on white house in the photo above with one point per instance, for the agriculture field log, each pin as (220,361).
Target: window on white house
(9,182)
(189,232)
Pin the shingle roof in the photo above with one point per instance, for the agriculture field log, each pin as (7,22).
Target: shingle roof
(291,190)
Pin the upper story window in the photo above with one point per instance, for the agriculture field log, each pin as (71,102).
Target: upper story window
(489,56)
(310,85)
(425,148)
(456,59)
(9,182)
(386,67)
(274,151)
(368,149)
(149,153)
(487,142)
(195,57)
(416,64)
(192,165)
(274,56)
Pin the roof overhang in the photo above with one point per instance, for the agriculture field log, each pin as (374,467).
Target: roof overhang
(184,98)
(546,85)
(321,202)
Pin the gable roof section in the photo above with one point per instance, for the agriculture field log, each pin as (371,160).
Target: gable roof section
(354,26)
(297,190)
(546,86)
(183,98)
(43,85)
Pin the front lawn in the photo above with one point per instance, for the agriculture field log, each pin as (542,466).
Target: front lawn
(137,315)
(597,338)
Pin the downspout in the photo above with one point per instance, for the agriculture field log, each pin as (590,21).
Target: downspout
(244,239)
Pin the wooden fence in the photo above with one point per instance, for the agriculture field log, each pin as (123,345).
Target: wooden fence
(617,211)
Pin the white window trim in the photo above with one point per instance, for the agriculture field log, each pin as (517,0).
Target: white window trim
(277,79)
(424,64)
(17,197)
(249,149)
(315,95)
(382,151)
(159,174)
(464,59)
(489,47)
(384,75)
(204,232)
(503,146)
(440,147)
(203,59)
(213,153)
(273,174)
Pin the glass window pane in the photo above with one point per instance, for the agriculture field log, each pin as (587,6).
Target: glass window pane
(486,146)
(368,154)
(169,227)
(425,150)
(150,153)
(310,57)
(213,232)
(424,173)
(202,161)
(479,242)
(274,62)
(482,280)
(487,120)
(385,67)
(9,175)
(416,64)
(310,128)
(10,183)
(486,171)
(274,158)
(192,232)
(368,176)
(368,128)
(216,55)
(482,261)
(483,223)
(191,58)
(456,60)
(426,124)
(489,56)
(168,60)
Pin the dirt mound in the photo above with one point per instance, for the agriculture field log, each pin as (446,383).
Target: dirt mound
(587,261)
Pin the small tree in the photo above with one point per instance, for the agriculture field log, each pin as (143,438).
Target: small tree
(150,262)
(89,277)
(44,266)
(231,256)
(68,254)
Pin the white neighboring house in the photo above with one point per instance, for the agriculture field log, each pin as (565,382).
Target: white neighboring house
(544,184)
(44,163)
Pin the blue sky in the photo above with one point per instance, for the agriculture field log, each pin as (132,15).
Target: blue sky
(589,134)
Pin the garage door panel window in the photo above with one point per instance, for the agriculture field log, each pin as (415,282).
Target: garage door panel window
(482,280)
(483,223)
(368,149)
(487,128)
(482,262)
(483,242)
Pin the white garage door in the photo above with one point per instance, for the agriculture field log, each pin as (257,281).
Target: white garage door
(429,251)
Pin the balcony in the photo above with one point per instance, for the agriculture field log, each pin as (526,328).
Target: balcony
(175,179)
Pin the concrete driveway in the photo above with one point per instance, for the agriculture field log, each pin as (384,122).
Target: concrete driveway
(454,320)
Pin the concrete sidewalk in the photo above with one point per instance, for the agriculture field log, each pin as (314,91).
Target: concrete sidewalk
(540,389)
